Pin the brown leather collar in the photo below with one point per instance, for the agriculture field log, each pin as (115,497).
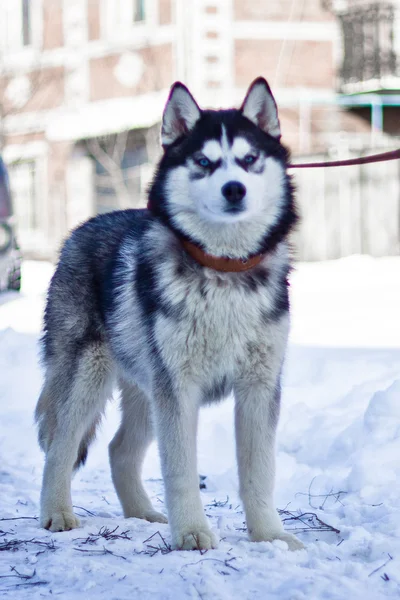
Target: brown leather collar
(220,263)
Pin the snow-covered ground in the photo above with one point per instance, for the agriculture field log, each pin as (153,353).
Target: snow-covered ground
(338,479)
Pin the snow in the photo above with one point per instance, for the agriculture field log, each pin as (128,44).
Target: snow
(106,116)
(338,460)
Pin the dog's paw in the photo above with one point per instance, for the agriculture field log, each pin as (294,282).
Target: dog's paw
(292,541)
(61,520)
(151,515)
(201,538)
(155,517)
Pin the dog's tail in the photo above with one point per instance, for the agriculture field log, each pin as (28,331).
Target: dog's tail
(46,420)
(72,402)
(87,439)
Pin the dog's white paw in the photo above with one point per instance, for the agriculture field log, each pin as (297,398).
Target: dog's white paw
(154,517)
(60,520)
(292,541)
(148,514)
(200,538)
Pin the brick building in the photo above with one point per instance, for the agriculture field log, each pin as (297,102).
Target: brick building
(83,84)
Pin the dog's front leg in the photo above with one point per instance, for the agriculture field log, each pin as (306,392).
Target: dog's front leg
(176,416)
(256,418)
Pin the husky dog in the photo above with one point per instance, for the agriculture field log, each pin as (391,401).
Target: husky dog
(180,305)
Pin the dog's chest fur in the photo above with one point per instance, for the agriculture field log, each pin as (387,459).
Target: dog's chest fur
(220,326)
(207,328)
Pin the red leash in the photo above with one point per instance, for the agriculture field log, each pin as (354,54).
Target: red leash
(362,160)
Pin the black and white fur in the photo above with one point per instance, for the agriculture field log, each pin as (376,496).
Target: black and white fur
(128,305)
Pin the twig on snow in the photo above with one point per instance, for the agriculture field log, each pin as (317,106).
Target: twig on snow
(13,545)
(26,577)
(218,503)
(105,533)
(331,494)
(151,550)
(310,520)
(104,551)
(21,575)
(381,567)
(26,584)
(341,542)
(225,562)
(3,533)
(85,509)
(18,518)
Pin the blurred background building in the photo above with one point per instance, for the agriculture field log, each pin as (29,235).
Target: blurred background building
(83,84)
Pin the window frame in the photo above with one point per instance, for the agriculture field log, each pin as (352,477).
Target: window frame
(118,22)
(140,7)
(15,39)
(25,171)
(37,238)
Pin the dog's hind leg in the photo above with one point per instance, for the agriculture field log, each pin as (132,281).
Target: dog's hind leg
(70,406)
(127,451)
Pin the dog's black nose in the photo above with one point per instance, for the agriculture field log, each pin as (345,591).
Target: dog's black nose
(234,192)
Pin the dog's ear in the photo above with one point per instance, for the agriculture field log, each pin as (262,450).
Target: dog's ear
(180,114)
(259,106)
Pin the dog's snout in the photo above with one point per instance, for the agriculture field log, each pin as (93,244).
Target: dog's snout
(234,192)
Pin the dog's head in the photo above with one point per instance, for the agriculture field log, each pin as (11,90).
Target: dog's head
(223,173)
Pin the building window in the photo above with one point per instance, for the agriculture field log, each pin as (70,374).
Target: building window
(138,11)
(16,24)
(122,16)
(368,48)
(23,180)
(26,23)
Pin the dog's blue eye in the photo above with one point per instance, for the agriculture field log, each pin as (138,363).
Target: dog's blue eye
(204,162)
(249,159)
